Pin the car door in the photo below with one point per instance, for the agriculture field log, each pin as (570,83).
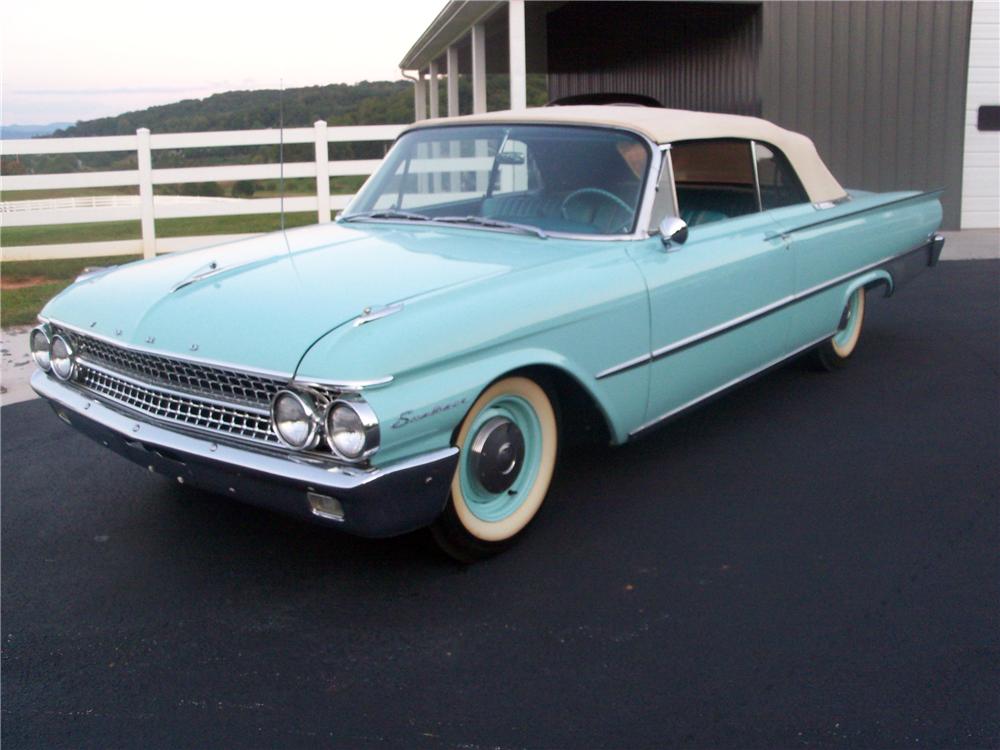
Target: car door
(716,301)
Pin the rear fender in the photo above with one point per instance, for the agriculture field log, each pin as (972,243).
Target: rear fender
(879,278)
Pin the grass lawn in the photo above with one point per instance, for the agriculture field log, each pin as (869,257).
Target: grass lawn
(129,230)
(20,305)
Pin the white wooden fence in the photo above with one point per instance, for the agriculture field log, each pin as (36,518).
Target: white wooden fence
(150,207)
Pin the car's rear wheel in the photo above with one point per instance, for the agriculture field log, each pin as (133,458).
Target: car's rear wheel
(834,353)
(508,443)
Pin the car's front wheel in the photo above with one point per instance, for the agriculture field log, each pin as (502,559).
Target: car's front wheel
(834,353)
(508,443)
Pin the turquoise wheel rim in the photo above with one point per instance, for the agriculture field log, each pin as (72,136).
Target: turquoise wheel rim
(844,337)
(496,506)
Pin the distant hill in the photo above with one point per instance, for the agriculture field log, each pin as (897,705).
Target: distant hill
(30,131)
(365,103)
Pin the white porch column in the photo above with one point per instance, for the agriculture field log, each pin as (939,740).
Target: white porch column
(518,65)
(453,82)
(478,68)
(433,86)
(420,97)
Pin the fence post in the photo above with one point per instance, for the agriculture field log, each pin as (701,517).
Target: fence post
(322,172)
(146,212)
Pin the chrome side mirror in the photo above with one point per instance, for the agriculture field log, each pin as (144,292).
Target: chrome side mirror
(673,231)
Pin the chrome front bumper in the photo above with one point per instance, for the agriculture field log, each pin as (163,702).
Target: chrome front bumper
(375,502)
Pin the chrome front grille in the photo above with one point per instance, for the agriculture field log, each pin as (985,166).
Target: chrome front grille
(219,382)
(231,420)
(219,400)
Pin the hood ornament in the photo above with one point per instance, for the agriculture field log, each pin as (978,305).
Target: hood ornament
(374,313)
(202,273)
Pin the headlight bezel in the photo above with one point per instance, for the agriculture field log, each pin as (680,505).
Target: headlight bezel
(313,415)
(371,432)
(70,358)
(41,357)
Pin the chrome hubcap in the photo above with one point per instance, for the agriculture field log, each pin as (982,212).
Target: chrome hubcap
(497,455)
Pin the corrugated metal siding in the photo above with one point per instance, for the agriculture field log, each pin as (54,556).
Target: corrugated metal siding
(879,86)
(981,168)
(700,56)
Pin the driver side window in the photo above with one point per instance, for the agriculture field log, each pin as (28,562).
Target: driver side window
(714,180)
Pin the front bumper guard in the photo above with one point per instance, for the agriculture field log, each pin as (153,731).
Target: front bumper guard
(374,503)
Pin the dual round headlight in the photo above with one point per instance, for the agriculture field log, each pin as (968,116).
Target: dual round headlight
(295,419)
(351,427)
(61,358)
(53,354)
(40,344)
(352,430)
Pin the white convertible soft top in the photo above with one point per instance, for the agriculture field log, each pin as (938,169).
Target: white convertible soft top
(672,125)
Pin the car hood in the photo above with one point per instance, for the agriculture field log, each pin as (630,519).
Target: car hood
(260,303)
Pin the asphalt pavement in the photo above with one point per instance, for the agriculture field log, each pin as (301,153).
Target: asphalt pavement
(810,561)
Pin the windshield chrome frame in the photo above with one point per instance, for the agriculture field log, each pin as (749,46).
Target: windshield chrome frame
(643,210)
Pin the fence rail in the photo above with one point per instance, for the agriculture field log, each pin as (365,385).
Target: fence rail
(148,207)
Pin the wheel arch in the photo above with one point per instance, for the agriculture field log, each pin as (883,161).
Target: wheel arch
(425,412)
(877,279)
(581,417)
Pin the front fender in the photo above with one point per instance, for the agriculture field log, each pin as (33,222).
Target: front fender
(581,314)
(421,413)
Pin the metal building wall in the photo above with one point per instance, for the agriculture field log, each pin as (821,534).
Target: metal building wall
(688,55)
(879,86)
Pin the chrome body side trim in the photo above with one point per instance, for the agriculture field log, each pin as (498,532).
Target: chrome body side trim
(726,386)
(749,317)
(641,360)
(718,330)
(377,502)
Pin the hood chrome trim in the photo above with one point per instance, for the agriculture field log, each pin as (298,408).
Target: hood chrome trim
(342,385)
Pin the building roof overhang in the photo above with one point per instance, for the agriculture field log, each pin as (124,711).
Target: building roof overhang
(450,25)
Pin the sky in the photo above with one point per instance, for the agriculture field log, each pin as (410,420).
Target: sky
(66,60)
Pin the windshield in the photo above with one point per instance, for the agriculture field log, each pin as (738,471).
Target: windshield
(556,179)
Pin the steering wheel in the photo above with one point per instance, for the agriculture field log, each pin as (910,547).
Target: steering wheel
(603,194)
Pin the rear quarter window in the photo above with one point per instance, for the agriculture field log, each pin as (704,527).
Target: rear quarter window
(779,185)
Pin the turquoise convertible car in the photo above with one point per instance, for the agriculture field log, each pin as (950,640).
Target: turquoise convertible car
(502,285)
